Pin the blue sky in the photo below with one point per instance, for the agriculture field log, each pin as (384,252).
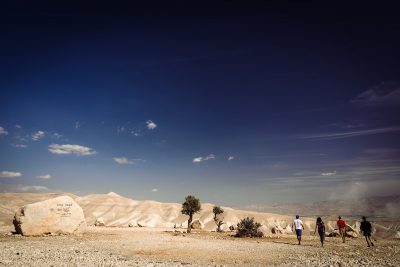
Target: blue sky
(236,103)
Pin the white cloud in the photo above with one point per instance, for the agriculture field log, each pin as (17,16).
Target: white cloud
(123,160)
(71,149)
(211,156)
(46,176)
(231,158)
(328,173)
(3,131)
(20,145)
(151,125)
(77,125)
(38,135)
(35,188)
(200,159)
(7,174)
(18,126)
(154,190)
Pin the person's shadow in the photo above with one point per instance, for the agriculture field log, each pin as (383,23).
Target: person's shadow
(287,243)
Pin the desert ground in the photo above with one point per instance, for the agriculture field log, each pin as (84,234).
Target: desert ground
(149,233)
(116,246)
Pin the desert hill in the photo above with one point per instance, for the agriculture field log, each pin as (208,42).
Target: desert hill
(116,210)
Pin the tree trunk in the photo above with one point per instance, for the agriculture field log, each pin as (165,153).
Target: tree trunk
(189,229)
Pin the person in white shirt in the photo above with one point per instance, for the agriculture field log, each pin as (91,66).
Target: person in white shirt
(298,225)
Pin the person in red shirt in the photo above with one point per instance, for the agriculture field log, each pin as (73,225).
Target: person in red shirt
(342,228)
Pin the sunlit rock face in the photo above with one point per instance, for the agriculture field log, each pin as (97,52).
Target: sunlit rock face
(60,215)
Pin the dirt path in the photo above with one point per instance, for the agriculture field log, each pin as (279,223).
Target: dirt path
(156,247)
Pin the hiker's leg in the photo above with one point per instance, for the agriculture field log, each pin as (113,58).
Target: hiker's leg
(366,239)
(369,237)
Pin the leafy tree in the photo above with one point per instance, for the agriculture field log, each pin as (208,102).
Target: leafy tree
(217,210)
(247,227)
(189,207)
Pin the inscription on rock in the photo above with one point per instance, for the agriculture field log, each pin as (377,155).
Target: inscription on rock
(62,209)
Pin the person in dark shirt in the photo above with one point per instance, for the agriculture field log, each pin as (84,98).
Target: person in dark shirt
(366,229)
(321,230)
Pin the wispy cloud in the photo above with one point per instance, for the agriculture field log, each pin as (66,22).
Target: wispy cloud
(19,145)
(34,188)
(3,131)
(154,190)
(71,149)
(348,134)
(18,126)
(46,176)
(383,94)
(56,135)
(25,188)
(77,125)
(151,125)
(201,159)
(135,133)
(8,174)
(123,160)
(38,135)
(120,129)
(328,173)
(231,158)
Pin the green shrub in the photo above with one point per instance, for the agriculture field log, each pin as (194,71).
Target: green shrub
(247,227)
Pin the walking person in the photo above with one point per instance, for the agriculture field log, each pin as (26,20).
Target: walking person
(366,229)
(298,225)
(342,228)
(320,226)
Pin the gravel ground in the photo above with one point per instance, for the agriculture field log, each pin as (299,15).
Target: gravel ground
(157,247)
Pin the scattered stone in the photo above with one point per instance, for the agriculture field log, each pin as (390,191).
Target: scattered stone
(351,234)
(335,233)
(99,222)
(277,229)
(197,224)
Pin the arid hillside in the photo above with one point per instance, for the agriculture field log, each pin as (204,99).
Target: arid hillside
(119,211)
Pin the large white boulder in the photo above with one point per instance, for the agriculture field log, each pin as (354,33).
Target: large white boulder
(60,215)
